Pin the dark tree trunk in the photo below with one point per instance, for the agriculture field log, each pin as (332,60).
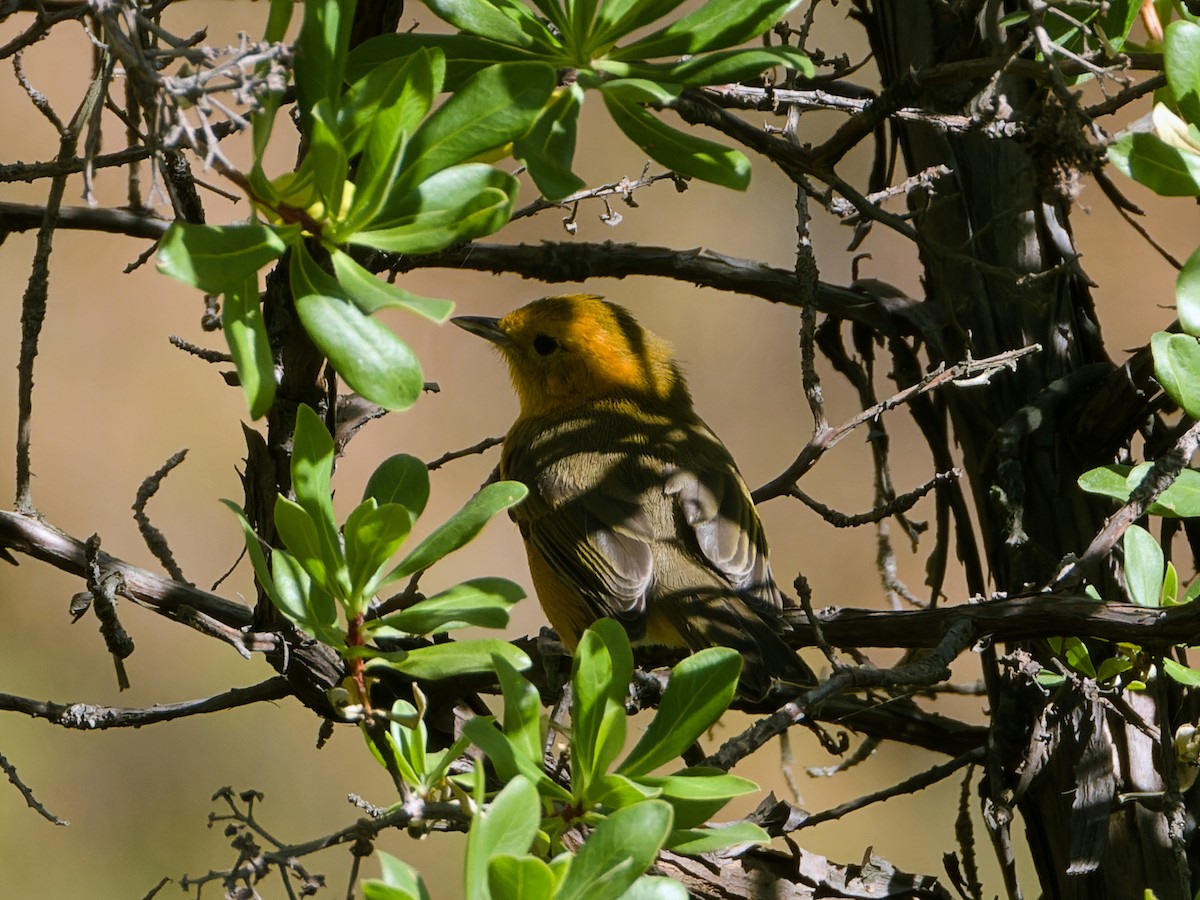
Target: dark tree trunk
(1000,272)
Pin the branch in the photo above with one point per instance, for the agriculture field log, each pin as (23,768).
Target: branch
(930,669)
(44,542)
(1014,619)
(18,217)
(969,369)
(918,782)
(86,717)
(30,800)
(570,261)
(1160,477)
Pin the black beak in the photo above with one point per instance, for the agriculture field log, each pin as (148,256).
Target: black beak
(484,326)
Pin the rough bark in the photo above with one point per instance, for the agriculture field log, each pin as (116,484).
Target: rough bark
(1001,272)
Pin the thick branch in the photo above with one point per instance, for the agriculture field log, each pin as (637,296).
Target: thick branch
(579,261)
(42,541)
(1019,618)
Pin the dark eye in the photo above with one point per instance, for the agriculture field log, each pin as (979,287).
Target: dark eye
(544,344)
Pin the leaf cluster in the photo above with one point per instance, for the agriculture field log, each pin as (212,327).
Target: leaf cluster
(325,578)
(597,43)
(383,171)
(518,846)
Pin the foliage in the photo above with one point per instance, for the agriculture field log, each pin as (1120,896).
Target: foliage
(518,846)
(1167,160)
(585,38)
(382,173)
(326,576)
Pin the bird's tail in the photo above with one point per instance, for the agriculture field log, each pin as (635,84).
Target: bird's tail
(769,665)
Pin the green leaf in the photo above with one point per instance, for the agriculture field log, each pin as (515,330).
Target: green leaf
(1192,592)
(506,828)
(1170,586)
(465,54)
(1165,169)
(400,881)
(482,602)
(304,601)
(312,473)
(1181,54)
(327,158)
(617,791)
(1180,500)
(508,759)
(699,783)
(600,676)
(519,878)
(402,479)
(246,332)
(1177,369)
(373,533)
(371,359)
(618,18)
(453,659)
(462,526)
(389,99)
(217,258)
(321,54)
(1118,22)
(681,152)
(370,294)
(700,690)
(404,102)
(1187,288)
(715,25)
(694,841)
(1144,566)
(262,120)
(1111,667)
(698,794)
(641,90)
(729,66)
(300,536)
(494,108)
(549,148)
(457,204)
(1108,481)
(617,853)
(480,17)
(258,559)
(1078,656)
(545,41)
(1185,675)
(656,887)
(522,711)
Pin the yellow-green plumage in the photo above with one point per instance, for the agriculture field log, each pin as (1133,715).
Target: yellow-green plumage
(636,509)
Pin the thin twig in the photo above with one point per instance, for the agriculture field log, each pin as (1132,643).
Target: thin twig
(481,447)
(1160,477)
(155,539)
(899,504)
(931,669)
(908,786)
(970,370)
(30,800)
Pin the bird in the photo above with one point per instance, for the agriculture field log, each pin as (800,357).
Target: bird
(636,510)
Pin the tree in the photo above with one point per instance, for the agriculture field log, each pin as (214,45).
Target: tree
(984,122)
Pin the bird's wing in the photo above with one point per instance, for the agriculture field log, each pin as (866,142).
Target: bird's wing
(592,544)
(717,512)
(593,534)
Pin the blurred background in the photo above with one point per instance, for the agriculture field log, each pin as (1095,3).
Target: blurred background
(113,400)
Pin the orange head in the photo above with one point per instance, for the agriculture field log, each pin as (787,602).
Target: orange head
(563,351)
